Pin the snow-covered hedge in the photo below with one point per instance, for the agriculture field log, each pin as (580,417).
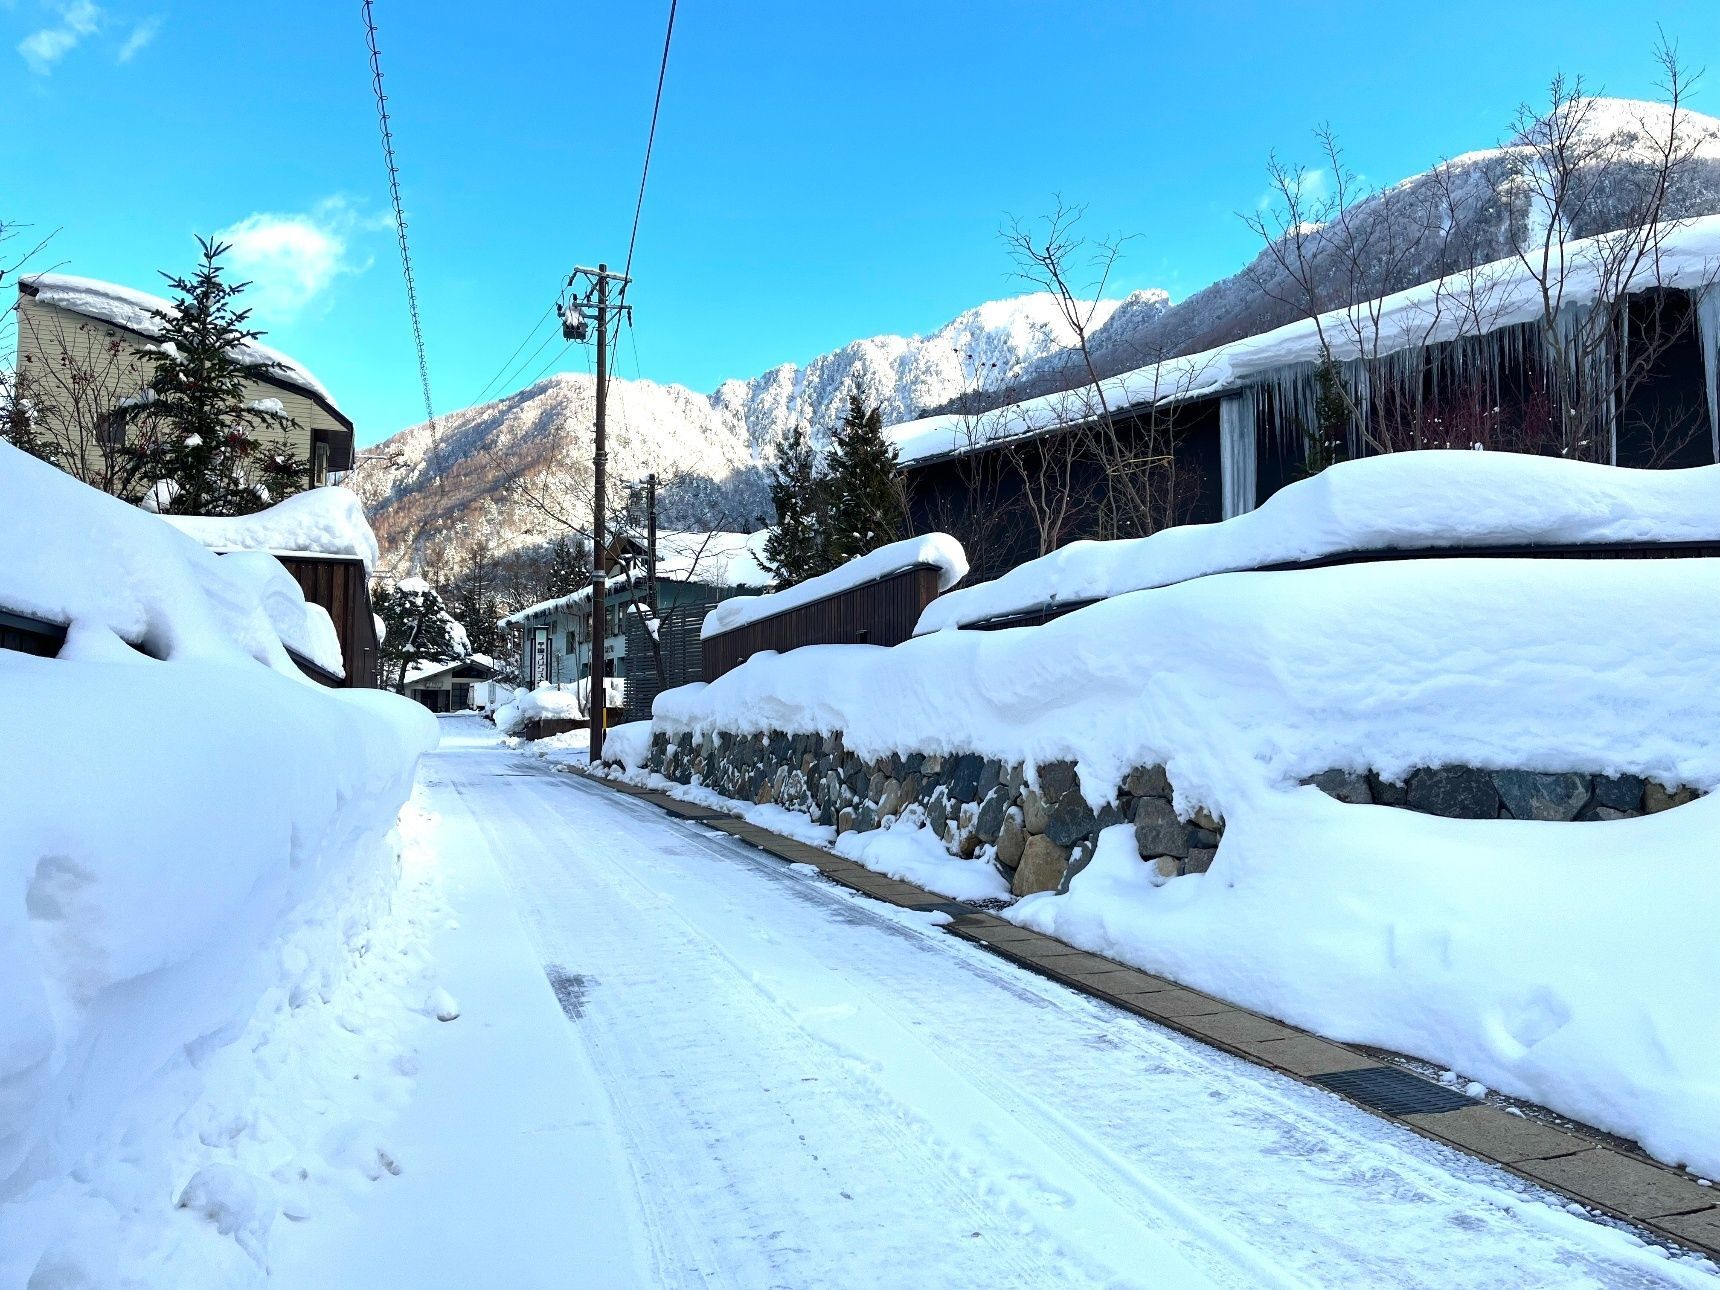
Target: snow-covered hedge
(567,702)
(189,839)
(1404,500)
(937,549)
(1492,946)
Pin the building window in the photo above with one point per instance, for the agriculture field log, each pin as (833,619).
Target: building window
(110,431)
(572,644)
(319,463)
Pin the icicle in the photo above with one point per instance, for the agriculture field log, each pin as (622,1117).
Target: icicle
(1238,451)
(1708,327)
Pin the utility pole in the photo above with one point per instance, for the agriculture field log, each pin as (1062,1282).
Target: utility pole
(574,327)
(651,543)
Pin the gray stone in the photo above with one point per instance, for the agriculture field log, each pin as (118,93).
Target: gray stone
(1077,862)
(1041,867)
(890,800)
(845,819)
(1205,819)
(1070,820)
(931,765)
(1387,793)
(990,776)
(875,785)
(1657,797)
(1033,811)
(1158,832)
(964,777)
(912,789)
(1533,795)
(865,817)
(1456,792)
(937,811)
(1056,779)
(1620,792)
(1164,868)
(1199,859)
(1108,815)
(1147,781)
(1607,813)
(1199,837)
(1011,841)
(988,823)
(1343,785)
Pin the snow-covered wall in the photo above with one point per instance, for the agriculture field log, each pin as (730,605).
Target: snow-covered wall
(1403,500)
(188,840)
(319,521)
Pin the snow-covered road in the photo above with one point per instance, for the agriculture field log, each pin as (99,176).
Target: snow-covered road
(817,1090)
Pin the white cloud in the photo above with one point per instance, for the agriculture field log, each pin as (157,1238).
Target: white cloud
(141,36)
(291,260)
(43,49)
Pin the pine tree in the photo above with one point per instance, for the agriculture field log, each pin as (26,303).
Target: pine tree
(569,566)
(416,627)
(194,435)
(1328,442)
(866,507)
(794,549)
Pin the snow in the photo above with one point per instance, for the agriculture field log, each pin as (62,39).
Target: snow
(301,626)
(1436,498)
(629,745)
(778,1056)
(1244,684)
(568,701)
(1501,294)
(318,521)
(135,311)
(937,549)
(198,853)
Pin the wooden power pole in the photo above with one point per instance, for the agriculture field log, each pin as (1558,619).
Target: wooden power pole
(574,327)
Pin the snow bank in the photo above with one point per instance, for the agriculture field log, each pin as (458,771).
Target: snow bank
(136,310)
(629,745)
(1404,500)
(1243,684)
(1501,294)
(319,521)
(302,627)
(192,841)
(937,549)
(569,701)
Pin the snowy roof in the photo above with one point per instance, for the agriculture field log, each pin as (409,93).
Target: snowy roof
(1405,500)
(1498,295)
(135,311)
(717,559)
(320,521)
(939,550)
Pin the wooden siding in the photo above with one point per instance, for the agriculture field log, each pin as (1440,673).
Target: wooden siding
(882,612)
(683,657)
(49,335)
(342,586)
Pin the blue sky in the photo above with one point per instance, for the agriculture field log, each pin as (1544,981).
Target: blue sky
(822,172)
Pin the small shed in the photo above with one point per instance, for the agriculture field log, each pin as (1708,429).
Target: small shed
(457,686)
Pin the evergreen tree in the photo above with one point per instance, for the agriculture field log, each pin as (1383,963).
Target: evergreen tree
(194,435)
(416,627)
(794,550)
(866,508)
(569,566)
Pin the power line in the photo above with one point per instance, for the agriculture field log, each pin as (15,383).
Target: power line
(650,139)
(399,218)
(508,362)
(554,359)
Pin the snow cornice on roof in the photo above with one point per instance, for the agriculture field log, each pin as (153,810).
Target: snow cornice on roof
(1498,295)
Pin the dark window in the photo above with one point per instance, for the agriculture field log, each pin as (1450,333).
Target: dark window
(110,431)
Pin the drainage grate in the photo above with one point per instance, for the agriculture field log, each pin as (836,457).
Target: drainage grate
(1394,1091)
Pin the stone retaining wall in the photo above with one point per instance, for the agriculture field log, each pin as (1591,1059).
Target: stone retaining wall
(1041,834)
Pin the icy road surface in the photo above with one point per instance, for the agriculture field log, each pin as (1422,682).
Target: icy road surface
(816,1090)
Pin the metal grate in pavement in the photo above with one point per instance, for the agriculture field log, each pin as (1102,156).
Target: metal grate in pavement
(1394,1091)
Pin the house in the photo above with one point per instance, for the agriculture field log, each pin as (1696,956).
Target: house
(453,686)
(78,361)
(1469,361)
(694,571)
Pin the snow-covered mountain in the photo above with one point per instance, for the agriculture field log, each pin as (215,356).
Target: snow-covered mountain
(492,467)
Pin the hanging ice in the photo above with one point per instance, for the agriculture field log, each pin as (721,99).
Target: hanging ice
(1708,330)
(1238,452)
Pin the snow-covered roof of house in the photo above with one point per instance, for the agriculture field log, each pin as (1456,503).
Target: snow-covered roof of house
(136,311)
(1498,295)
(717,559)
(423,670)
(319,521)
(939,550)
(1402,501)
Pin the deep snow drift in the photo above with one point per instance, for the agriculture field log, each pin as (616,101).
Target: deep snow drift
(196,840)
(1490,946)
